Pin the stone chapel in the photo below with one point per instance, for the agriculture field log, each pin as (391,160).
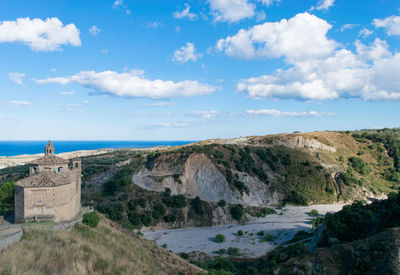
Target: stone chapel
(52,191)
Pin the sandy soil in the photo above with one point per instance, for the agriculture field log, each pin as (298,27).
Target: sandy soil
(281,227)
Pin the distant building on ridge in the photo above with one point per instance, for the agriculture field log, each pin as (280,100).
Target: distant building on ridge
(51,192)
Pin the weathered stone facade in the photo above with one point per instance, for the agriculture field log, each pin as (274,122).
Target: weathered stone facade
(51,192)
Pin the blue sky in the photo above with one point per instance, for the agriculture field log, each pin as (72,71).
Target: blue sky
(189,70)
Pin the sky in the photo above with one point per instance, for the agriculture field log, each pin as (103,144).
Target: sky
(193,70)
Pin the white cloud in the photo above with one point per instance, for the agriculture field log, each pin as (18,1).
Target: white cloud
(160,104)
(301,37)
(48,35)
(118,3)
(133,84)
(67,93)
(277,113)
(166,125)
(185,14)
(19,103)
(365,32)
(94,30)
(269,2)
(324,4)
(203,114)
(186,53)
(231,10)
(68,109)
(391,24)
(372,73)
(17,78)
(104,51)
(154,25)
(347,27)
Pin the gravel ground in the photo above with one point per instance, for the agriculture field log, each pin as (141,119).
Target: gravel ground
(281,227)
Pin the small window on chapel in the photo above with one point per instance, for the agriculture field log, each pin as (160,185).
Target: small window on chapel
(76,165)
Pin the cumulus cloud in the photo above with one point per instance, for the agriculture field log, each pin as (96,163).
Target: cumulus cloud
(300,37)
(185,14)
(39,35)
(203,114)
(186,53)
(277,113)
(318,69)
(133,84)
(391,24)
(372,73)
(94,30)
(17,78)
(324,4)
(19,103)
(231,10)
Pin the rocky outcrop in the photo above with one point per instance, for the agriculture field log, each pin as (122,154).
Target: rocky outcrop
(200,177)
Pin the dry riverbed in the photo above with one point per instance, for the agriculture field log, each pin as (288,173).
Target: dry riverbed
(282,227)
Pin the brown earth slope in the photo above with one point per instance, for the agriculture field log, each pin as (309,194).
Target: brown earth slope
(85,250)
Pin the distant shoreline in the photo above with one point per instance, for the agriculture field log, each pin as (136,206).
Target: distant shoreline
(10,161)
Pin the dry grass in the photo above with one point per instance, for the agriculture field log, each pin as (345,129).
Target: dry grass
(85,250)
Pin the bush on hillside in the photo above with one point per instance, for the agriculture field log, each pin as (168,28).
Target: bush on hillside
(222,203)
(237,211)
(359,165)
(91,219)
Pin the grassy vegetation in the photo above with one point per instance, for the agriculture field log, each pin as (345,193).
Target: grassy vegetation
(6,197)
(87,250)
(358,221)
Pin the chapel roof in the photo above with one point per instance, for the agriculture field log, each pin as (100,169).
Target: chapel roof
(50,159)
(48,179)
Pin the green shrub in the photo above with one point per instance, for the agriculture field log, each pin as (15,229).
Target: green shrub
(184,256)
(359,165)
(281,253)
(197,205)
(91,219)
(300,235)
(265,211)
(219,238)
(222,203)
(233,251)
(296,198)
(268,238)
(260,233)
(314,212)
(170,218)
(316,223)
(237,211)
(240,233)
(6,197)
(164,246)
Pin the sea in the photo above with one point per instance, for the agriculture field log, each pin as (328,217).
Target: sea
(14,148)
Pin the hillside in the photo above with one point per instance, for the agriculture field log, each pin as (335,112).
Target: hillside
(226,180)
(105,249)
